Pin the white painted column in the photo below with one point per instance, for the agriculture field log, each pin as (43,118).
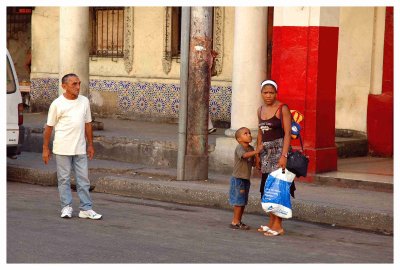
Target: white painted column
(377,50)
(249,70)
(249,66)
(74,45)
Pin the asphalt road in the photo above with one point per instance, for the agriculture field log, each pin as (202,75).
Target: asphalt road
(144,231)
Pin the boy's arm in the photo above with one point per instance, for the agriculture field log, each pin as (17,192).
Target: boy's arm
(253,153)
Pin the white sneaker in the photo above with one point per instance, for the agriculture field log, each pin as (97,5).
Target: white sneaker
(89,214)
(66,212)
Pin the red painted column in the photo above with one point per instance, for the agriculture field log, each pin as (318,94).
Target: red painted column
(387,77)
(380,107)
(304,62)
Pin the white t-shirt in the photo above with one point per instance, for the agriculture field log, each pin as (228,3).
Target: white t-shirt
(68,118)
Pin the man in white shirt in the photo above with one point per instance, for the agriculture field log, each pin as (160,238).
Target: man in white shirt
(71,119)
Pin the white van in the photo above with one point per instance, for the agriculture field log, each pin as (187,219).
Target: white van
(15,107)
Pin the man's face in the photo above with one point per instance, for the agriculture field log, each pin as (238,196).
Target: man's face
(72,86)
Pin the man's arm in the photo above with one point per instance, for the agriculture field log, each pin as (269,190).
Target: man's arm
(46,154)
(89,140)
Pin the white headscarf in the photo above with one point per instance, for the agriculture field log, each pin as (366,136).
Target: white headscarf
(270,82)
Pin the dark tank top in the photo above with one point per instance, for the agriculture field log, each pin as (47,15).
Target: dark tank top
(271,128)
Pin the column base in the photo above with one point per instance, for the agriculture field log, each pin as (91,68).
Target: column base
(221,159)
(322,160)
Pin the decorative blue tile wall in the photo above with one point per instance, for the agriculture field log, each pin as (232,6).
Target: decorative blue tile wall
(146,98)
(44,90)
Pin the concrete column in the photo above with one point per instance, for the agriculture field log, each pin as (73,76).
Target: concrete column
(377,50)
(380,107)
(249,70)
(74,45)
(387,80)
(249,66)
(304,61)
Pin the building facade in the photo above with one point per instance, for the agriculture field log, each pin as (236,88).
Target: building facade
(328,61)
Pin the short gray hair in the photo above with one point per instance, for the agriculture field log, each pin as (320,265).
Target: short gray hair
(66,77)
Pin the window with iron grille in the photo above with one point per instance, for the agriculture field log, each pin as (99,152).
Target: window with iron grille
(107,32)
(18,20)
(176,19)
(172,37)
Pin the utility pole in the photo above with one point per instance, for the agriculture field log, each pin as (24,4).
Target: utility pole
(185,31)
(199,81)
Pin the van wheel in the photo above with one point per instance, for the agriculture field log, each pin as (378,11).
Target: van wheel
(12,152)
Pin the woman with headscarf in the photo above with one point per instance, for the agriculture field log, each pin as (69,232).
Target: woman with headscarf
(275,139)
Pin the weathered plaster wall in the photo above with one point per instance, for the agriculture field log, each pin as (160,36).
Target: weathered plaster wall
(146,91)
(357,72)
(45,42)
(115,91)
(18,45)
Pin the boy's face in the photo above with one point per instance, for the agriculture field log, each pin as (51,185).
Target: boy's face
(245,136)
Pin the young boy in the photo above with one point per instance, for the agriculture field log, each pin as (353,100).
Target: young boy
(240,180)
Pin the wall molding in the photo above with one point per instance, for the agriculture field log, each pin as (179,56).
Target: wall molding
(129,42)
(218,37)
(167,54)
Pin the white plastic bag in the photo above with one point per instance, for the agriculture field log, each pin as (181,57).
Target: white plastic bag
(276,198)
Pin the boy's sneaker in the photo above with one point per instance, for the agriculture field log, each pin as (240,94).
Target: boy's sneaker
(89,214)
(66,212)
(239,226)
(212,130)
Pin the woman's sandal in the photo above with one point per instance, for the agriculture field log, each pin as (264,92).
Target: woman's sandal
(263,228)
(274,233)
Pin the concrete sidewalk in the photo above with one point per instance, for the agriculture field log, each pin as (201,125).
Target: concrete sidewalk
(138,158)
(156,145)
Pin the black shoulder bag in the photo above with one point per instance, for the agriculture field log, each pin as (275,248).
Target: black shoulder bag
(297,162)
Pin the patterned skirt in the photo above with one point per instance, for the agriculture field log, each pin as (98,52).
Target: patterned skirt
(271,155)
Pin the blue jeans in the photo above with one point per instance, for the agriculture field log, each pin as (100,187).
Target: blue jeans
(239,191)
(78,164)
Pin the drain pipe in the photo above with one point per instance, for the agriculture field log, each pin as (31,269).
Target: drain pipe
(185,31)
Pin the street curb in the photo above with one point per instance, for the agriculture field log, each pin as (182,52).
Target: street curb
(302,210)
(197,195)
(31,176)
(352,183)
